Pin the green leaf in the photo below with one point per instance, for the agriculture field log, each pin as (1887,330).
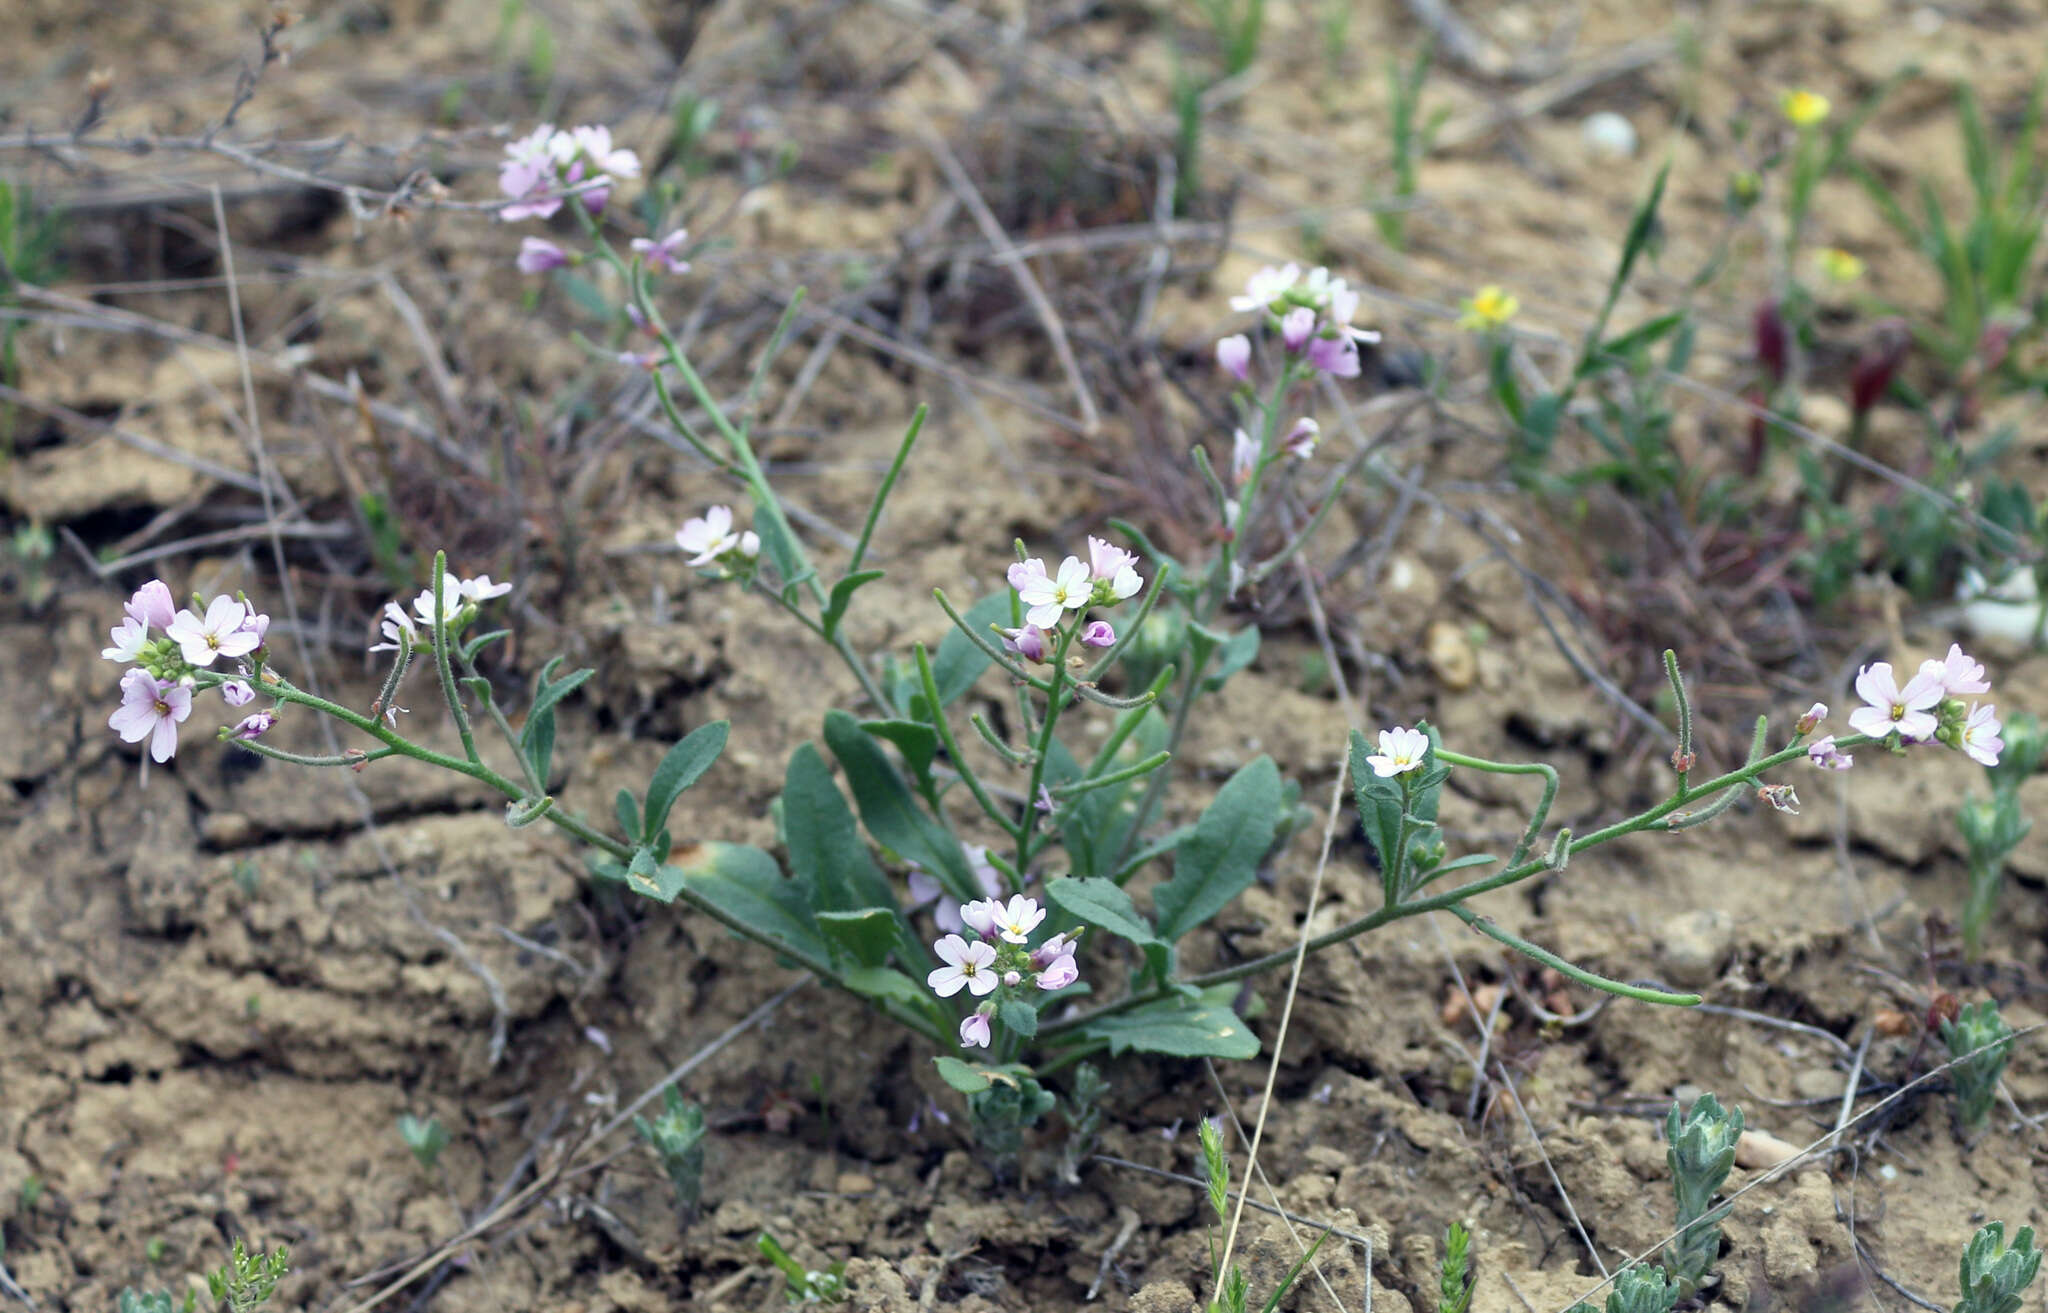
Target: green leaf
(964,1077)
(627,809)
(647,876)
(685,762)
(1379,809)
(958,662)
(1624,345)
(1019,1016)
(747,885)
(537,738)
(842,594)
(1221,858)
(892,814)
(1180,1028)
(825,846)
(868,935)
(886,984)
(1104,905)
(919,743)
(1233,654)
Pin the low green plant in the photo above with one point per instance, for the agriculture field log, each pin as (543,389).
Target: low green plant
(30,235)
(246,1281)
(804,1285)
(1993,827)
(1230,1288)
(1994,1275)
(1237,26)
(1699,1149)
(426,1138)
(677,1138)
(1454,1273)
(1081,1111)
(1411,136)
(1638,1290)
(131,1300)
(1979,1043)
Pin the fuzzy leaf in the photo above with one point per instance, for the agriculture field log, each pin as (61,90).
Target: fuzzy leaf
(1220,859)
(891,814)
(868,935)
(747,885)
(825,845)
(1180,1028)
(679,769)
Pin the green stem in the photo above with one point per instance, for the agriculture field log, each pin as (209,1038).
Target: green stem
(1041,749)
(952,745)
(1536,818)
(1602,983)
(1079,787)
(442,638)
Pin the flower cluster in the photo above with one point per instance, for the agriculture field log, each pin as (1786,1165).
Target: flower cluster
(1051,598)
(459,599)
(1929,708)
(157,688)
(711,540)
(997,957)
(549,163)
(1312,314)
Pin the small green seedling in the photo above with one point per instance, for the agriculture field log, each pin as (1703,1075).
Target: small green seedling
(426,1138)
(1638,1290)
(1980,1041)
(132,1300)
(1993,1274)
(1700,1149)
(1455,1277)
(805,1285)
(1232,1287)
(245,1282)
(677,1138)
(1993,827)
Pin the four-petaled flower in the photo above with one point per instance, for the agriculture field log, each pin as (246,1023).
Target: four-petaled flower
(1108,562)
(128,638)
(1979,735)
(974,1031)
(968,966)
(1047,598)
(710,536)
(1234,354)
(1960,676)
(1401,750)
(1907,710)
(220,633)
(664,256)
(1030,642)
(1266,286)
(1016,919)
(151,709)
(398,630)
(481,589)
(1098,634)
(1804,109)
(1823,753)
(1244,458)
(1490,308)
(451,602)
(1297,326)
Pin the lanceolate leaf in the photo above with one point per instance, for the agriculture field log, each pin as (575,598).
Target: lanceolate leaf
(825,844)
(1182,1028)
(1104,905)
(537,738)
(891,813)
(1219,861)
(868,935)
(746,884)
(684,764)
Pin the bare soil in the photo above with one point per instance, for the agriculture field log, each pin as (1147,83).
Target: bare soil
(219,992)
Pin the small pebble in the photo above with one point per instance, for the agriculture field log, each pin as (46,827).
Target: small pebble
(1608,135)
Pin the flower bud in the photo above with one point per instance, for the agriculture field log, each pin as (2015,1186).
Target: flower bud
(1815,714)
(1234,354)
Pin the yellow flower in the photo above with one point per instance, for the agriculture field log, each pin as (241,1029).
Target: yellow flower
(1805,109)
(1839,266)
(1488,309)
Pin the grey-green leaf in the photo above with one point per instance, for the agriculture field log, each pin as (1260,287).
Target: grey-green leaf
(679,769)
(1180,1028)
(825,844)
(1220,859)
(891,813)
(746,884)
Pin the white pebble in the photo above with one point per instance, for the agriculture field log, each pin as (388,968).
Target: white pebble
(1609,134)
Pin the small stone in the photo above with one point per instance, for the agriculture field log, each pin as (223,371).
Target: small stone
(1825,415)
(1163,1297)
(1608,135)
(856,1183)
(227,829)
(1894,1024)
(1819,1083)
(1451,656)
(1692,946)
(1761,1149)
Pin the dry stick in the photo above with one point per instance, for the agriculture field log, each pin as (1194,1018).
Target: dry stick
(512,1206)
(1315,890)
(500,1009)
(1006,255)
(147,446)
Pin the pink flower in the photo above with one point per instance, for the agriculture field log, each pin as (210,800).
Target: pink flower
(596,144)
(968,966)
(128,638)
(1335,356)
(219,634)
(1244,458)
(1296,327)
(1016,919)
(1098,634)
(1030,642)
(1824,754)
(1300,441)
(1266,286)
(1815,714)
(974,1031)
(254,726)
(662,256)
(151,709)
(256,626)
(1979,736)
(1060,972)
(1959,675)
(1234,353)
(1047,598)
(1115,571)
(1401,750)
(1906,710)
(237,693)
(537,256)
(980,915)
(152,605)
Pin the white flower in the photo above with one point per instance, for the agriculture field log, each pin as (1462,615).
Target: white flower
(481,589)
(1016,919)
(151,709)
(1244,458)
(218,634)
(1960,676)
(1401,750)
(1907,710)
(709,536)
(128,638)
(968,966)
(1979,735)
(398,628)
(974,1031)
(1049,597)
(451,601)
(595,142)
(1266,286)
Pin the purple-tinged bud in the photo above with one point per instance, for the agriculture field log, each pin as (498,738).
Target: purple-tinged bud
(1296,327)
(538,255)
(1234,353)
(1098,634)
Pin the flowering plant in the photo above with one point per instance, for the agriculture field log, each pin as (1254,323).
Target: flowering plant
(1041,869)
